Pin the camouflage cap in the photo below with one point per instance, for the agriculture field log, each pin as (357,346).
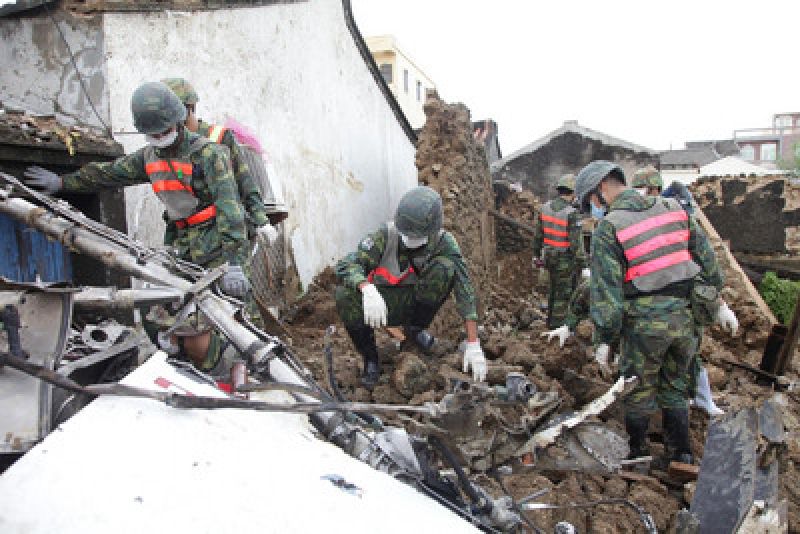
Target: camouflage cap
(419,213)
(566,182)
(590,177)
(648,177)
(182,90)
(155,108)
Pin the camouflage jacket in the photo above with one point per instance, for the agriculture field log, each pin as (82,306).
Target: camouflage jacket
(211,243)
(578,305)
(574,229)
(609,265)
(248,189)
(354,268)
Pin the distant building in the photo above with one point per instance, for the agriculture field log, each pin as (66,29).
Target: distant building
(568,149)
(767,147)
(685,164)
(407,81)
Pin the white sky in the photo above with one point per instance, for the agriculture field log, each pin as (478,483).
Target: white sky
(655,73)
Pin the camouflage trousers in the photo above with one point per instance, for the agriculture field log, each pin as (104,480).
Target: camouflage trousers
(434,284)
(563,279)
(658,344)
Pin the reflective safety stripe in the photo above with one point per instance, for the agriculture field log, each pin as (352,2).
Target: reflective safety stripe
(554,220)
(216,133)
(559,233)
(201,216)
(559,244)
(663,240)
(164,166)
(651,223)
(657,264)
(388,276)
(170,185)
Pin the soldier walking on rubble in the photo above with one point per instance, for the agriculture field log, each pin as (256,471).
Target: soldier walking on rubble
(400,275)
(194,180)
(648,182)
(558,247)
(649,259)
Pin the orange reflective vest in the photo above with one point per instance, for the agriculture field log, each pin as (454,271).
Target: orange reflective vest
(171,180)
(555,226)
(656,245)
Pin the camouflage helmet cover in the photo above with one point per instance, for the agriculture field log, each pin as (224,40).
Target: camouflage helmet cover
(419,213)
(590,177)
(156,108)
(566,182)
(182,89)
(648,177)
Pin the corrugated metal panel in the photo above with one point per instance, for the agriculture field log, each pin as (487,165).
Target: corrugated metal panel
(27,255)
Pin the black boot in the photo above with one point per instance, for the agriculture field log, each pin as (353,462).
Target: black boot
(421,317)
(676,435)
(636,427)
(363,338)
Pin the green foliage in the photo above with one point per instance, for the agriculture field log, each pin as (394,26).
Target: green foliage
(780,295)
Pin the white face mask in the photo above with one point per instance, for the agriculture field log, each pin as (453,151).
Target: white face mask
(162,142)
(641,190)
(413,242)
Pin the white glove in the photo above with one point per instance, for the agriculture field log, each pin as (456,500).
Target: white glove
(234,282)
(727,319)
(474,358)
(562,332)
(375,312)
(43,180)
(601,354)
(586,273)
(267,233)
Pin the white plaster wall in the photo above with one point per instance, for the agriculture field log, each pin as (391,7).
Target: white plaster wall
(36,73)
(293,74)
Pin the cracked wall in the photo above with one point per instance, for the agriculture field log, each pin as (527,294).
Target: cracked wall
(757,215)
(37,74)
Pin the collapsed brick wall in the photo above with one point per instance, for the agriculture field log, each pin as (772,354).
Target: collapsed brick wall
(758,215)
(521,207)
(454,164)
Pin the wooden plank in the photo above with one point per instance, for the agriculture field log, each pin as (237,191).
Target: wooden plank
(510,220)
(683,472)
(721,246)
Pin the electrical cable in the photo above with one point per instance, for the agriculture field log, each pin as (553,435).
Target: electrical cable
(77,72)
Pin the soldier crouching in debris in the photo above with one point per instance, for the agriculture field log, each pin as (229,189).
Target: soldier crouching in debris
(646,255)
(400,275)
(194,180)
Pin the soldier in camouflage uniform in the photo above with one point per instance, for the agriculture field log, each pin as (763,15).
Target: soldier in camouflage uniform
(648,182)
(258,221)
(646,254)
(558,247)
(194,180)
(400,275)
(577,311)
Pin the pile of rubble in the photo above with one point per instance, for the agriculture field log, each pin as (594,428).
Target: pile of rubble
(512,325)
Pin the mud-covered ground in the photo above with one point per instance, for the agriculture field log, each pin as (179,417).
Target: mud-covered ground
(512,340)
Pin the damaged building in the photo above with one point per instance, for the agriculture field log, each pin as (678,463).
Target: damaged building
(332,131)
(539,165)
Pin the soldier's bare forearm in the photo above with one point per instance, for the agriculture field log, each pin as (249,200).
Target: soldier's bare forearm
(472,330)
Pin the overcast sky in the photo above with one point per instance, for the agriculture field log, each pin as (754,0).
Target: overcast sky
(656,73)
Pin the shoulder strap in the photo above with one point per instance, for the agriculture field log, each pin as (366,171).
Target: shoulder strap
(198,144)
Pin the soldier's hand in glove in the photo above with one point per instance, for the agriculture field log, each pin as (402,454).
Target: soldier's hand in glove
(562,333)
(586,273)
(727,319)
(375,312)
(234,282)
(601,354)
(43,180)
(268,234)
(475,360)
